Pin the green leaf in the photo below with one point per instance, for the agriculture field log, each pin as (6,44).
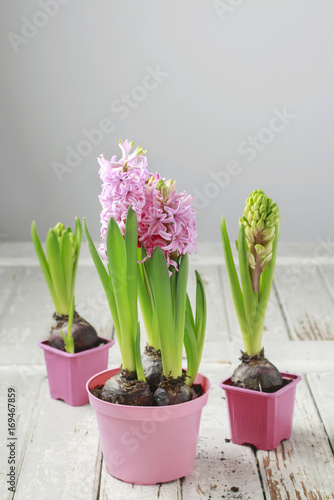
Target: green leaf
(78,234)
(131,243)
(68,339)
(146,301)
(78,238)
(67,261)
(139,363)
(159,277)
(104,277)
(189,312)
(173,281)
(263,279)
(180,300)
(190,345)
(70,317)
(56,270)
(44,266)
(117,260)
(234,284)
(200,315)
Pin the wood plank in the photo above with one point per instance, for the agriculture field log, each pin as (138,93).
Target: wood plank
(327,274)
(125,491)
(322,388)
(61,459)
(10,277)
(306,302)
(275,325)
(27,384)
(303,466)
(220,465)
(29,317)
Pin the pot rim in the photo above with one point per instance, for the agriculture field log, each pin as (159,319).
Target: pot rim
(295,379)
(144,412)
(44,344)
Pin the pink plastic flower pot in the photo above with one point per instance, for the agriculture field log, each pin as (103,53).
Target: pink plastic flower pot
(259,418)
(148,444)
(68,373)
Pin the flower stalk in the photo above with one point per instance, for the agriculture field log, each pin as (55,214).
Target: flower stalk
(257,247)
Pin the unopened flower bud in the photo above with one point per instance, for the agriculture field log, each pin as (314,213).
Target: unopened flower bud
(73,244)
(160,185)
(59,229)
(259,250)
(256,215)
(261,214)
(251,259)
(268,233)
(263,208)
(265,263)
(249,235)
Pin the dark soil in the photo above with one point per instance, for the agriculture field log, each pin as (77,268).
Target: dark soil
(124,389)
(198,389)
(97,391)
(172,392)
(258,374)
(84,335)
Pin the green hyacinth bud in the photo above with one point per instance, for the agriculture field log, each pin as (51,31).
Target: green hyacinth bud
(74,245)
(166,188)
(60,229)
(260,216)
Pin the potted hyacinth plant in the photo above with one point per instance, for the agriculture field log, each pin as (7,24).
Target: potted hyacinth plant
(166,219)
(260,398)
(124,395)
(73,351)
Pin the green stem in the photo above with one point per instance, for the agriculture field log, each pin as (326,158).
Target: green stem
(255,275)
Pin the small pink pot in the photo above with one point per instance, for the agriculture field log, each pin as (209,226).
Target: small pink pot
(148,444)
(259,418)
(68,373)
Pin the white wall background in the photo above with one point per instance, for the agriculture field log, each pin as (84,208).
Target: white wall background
(227,68)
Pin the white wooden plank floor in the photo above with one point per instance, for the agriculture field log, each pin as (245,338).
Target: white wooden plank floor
(58,455)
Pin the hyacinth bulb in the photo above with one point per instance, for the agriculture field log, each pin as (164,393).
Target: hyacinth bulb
(260,216)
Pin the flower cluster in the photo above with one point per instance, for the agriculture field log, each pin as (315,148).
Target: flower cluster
(165,217)
(260,216)
(123,185)
(168,220)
